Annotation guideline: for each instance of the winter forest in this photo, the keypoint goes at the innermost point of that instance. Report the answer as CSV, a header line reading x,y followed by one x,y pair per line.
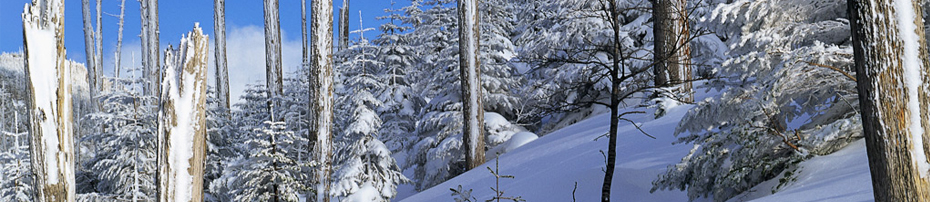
x,y
471,100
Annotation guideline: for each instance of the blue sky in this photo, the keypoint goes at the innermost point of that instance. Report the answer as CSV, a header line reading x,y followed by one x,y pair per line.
x,y
244,21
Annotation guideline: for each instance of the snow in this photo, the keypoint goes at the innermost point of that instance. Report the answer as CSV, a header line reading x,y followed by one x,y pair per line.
x,y
547,169
912,78
365,194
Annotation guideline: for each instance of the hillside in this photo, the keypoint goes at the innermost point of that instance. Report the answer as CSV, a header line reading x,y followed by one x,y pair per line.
x,y
547,169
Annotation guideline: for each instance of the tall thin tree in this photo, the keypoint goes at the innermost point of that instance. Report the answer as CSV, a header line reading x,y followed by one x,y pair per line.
x,y
119,40
48,75
273,72
893,75
322,86
150,57
222,73
89,50
471,83
98,53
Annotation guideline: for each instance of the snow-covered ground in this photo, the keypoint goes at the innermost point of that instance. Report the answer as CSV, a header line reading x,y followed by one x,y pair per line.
x,y
548,168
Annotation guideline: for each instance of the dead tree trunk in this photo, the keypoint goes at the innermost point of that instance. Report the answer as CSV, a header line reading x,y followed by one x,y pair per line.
x,y
48,77
98,37
182,122
222,73
119,40
89,52
893,75
344,25
322,87
151,71
273,74
672,50
471,83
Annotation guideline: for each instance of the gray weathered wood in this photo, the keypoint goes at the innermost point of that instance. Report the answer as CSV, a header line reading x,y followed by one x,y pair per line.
x,y
322,88
473,110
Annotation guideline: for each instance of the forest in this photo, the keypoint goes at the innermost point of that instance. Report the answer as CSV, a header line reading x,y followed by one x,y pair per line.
x,y
475,100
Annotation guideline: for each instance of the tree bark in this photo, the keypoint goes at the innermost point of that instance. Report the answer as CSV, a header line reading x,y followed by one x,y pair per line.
x,y
50,104
119,40
89,52
151,71
222,72
322,105
182,121
98,68
890,52
672,49
471,83
344,25
273,72
614,103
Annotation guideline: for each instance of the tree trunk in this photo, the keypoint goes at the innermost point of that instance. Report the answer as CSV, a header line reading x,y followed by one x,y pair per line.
x,y
893,75
89,52
222,73
48,77
322,105
151,71
119,40
273,72
672,49
614,105
98,68
344,25
182,121
471,83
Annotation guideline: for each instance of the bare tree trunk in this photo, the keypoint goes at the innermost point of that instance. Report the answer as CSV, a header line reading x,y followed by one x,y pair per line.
x,y
119,40
322,87
893,74
89,48
222,73
151,70
344,25
471,83
672,49
48,77
98,68
615,82
182,121
273,74
305,60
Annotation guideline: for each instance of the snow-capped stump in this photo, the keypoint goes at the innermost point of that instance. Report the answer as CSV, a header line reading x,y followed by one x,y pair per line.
x,y
50,102
504,136
182,129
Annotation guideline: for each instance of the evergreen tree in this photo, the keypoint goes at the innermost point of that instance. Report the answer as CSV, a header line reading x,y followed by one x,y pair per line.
x,y
270,175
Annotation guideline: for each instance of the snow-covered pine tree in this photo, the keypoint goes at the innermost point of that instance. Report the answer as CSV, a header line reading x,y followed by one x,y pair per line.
x,y
362,159
250,116
437,154
499,78
124,160
399,102
787,92
221,143
16,181
267,175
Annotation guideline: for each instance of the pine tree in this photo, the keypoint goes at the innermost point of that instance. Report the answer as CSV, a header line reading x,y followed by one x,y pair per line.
x,y
362,159
399,101
124,163
266,174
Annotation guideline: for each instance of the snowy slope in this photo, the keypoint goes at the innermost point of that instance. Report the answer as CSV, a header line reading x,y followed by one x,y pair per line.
x,y
547,168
